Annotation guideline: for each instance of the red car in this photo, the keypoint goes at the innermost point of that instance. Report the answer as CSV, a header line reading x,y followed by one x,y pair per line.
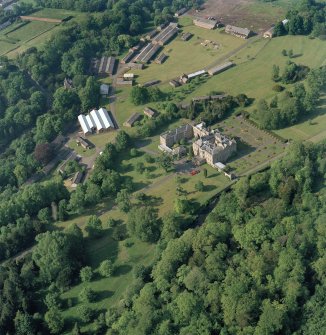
x,y
194,172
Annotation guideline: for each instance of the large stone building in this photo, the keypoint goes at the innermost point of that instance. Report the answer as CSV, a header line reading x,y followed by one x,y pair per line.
x,y
213,146
171,137
209,145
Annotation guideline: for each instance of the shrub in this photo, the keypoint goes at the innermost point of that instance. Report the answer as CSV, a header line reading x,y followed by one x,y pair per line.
x,y
106,268
278,88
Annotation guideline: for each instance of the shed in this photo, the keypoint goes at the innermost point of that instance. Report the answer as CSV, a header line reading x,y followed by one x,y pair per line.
x,y
77,179
269,33
186,36
151,83
161,58
174,83
82,141
150,112
104,89
132,119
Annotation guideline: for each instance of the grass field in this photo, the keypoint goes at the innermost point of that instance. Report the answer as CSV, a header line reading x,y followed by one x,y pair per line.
x,y
32,34
189,56
252,74
52,13
30,30
313,129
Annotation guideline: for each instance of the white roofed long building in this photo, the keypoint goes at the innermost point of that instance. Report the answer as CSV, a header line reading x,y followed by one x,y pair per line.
x,y
98,120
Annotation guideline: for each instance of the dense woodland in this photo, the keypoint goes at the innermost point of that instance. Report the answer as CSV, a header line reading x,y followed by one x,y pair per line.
x,y
256,266
307,17
289,107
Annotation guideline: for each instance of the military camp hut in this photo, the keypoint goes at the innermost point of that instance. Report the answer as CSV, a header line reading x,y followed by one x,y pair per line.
x,y
131,121
220,68
149,112
180,12
106,65
166,34
237,31
161,58
205,23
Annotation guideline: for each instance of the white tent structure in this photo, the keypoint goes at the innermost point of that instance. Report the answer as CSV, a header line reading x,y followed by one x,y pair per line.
x,y
84,124
96,119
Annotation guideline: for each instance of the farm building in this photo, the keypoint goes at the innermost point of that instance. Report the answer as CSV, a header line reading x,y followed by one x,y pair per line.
x,y
122,82
186,36
166,34
237,31
131,121
98,120
174,83
180,12
128,57
149,112
220,68
104,89
205,23
151,83
269,33
161,58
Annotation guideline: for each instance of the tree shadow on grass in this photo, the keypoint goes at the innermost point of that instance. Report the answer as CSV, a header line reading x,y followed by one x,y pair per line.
x,y
208,188
122,270
101,249
101,295
142,143
140,185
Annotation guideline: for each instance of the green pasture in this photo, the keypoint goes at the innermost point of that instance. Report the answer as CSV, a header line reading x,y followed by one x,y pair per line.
x,y
53,13
252,73
31,30
312,129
